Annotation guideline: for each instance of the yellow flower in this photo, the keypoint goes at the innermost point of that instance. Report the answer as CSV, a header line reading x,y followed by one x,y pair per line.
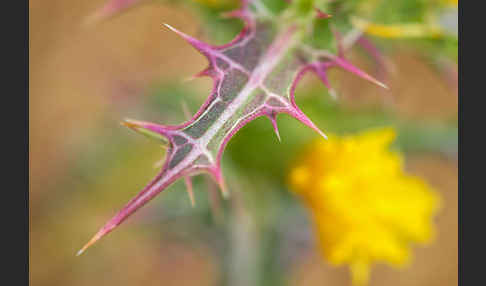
x,y
407,30
429,28
365,207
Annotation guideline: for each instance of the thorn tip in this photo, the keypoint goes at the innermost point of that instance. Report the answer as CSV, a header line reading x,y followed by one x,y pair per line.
x,y
190,191
169,26
90,242
273,120
224,190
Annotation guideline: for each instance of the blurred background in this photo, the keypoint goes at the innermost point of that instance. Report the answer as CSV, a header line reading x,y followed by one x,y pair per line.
x,y
84,166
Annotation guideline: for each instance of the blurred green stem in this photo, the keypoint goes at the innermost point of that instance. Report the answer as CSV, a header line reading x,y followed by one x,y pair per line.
x,y
245,246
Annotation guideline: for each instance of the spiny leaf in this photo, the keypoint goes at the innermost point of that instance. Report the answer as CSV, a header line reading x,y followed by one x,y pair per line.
x,y
254,75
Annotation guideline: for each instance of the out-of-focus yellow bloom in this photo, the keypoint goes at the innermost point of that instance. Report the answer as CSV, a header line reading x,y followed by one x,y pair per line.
x,y
409,30
401,30
365,207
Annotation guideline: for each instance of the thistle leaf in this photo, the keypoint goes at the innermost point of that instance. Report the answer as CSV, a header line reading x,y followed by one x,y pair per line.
x,y
254,75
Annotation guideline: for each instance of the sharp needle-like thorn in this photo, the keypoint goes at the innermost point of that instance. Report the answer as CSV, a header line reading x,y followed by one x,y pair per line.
x,y
299,115
321,133
145,129
171,28
275,127
190,192
183,35
91,242
224,190
351,68
278,135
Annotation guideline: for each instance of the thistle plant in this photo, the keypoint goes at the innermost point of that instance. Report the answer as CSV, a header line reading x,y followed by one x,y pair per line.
x,y
254,75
